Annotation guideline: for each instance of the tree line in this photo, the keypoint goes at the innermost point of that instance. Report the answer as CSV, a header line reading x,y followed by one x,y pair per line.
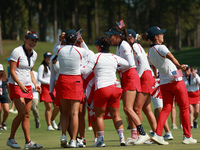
x,y
48,17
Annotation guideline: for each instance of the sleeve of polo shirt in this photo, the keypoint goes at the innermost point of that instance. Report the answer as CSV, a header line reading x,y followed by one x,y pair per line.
x,y
137,50
53,77
40,75
56,47
163,50
89,66
122,62
127,51
83,44
197,79
15,55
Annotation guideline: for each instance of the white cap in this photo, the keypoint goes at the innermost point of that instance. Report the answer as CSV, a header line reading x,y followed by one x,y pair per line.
x,y
1,67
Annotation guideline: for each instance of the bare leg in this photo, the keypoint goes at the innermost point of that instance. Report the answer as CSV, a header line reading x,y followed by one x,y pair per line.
x,y
54,112
48,112
74,119
82,120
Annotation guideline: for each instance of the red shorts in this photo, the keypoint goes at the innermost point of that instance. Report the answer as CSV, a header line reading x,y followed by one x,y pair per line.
x,y
70,87
147,82
131,80
194,97
15,92
107,96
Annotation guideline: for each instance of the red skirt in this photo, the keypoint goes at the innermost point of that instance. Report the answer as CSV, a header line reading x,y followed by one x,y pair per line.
x,y
44,95
194,97
15,92
147,82
70,87
131,80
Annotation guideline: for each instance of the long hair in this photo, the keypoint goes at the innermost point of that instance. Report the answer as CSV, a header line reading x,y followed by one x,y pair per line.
x,y
3,75
45,66
105,43
124,33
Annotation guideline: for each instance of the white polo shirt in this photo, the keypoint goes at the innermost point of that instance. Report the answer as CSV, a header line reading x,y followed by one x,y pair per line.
x,y
105,68
44,77
54,73
125,51
142,62
194,83
23,65
157,56
70,59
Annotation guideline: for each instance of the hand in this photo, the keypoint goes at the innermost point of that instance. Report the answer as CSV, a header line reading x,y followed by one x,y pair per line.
x,y
52,96
23,89
62,36
183,67
80,39
38,88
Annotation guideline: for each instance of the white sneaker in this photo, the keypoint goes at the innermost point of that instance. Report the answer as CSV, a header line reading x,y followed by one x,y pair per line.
x,y
174,127
12,144
99,143
11,110
54,125
122,141
189,140
50,128
90,128
32,145
159,139
142,139
63,141
130,141
168,136
73,144
80,142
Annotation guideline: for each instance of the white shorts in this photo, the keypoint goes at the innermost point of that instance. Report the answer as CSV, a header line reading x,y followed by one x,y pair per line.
x,y
157,102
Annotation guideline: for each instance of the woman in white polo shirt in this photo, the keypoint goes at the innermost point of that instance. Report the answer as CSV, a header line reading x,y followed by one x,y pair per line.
x,y
44,78
130,80
107,93
171,84
22,60
192,82
70,84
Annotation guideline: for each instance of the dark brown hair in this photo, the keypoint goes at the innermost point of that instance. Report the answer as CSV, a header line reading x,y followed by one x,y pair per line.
x,y
105,41
3,75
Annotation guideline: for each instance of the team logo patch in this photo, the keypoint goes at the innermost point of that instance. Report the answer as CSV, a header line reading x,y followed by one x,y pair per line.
x,y
158,28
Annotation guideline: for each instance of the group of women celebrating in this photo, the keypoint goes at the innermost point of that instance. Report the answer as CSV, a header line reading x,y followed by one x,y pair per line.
x,y
73,59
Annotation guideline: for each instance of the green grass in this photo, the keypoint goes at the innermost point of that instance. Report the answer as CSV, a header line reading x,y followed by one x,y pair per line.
x,y
51,139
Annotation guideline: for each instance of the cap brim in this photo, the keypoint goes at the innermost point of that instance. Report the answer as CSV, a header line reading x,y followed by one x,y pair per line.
x,y
162,31
95,42
109,33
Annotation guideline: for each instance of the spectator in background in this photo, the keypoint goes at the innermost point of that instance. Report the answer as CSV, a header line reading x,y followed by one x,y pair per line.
x,y
3,98
44,78
34,107
192,82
